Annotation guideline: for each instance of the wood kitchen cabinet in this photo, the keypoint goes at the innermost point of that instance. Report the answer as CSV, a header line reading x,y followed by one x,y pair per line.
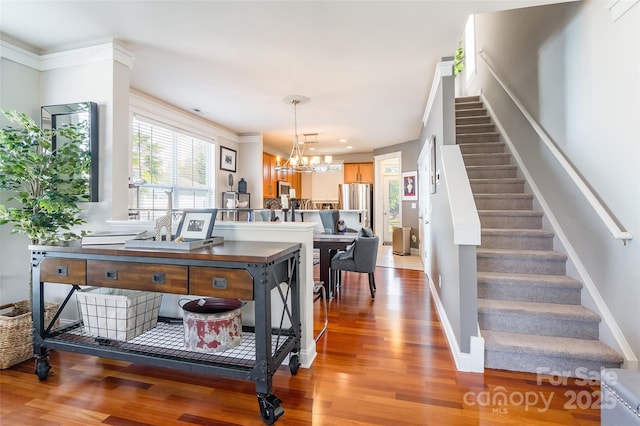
x,y
269,178
358,172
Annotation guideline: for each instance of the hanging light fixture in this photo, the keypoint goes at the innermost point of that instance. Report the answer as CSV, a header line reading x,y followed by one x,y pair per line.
x,y
297,161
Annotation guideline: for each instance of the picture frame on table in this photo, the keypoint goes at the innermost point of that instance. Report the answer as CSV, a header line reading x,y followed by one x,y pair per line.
x,y
228,158
197,224
410,186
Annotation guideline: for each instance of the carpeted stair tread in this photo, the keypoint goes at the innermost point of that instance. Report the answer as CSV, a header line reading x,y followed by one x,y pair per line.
x,y
546,310
465,99
463,129
478,134
529,279
473,119
470,111
497,180
518,232
468,105
531,213
564,347
513,196
527,254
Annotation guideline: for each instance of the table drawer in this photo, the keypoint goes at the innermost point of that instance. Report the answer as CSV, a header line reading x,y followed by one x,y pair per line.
x,y
138,276
65,271
221,282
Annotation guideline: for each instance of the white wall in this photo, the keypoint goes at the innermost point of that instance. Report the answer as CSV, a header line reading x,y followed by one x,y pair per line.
x,y
19,90
576,70
250,168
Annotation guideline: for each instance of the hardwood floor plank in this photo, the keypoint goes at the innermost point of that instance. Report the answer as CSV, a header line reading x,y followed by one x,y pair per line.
x,y
382,362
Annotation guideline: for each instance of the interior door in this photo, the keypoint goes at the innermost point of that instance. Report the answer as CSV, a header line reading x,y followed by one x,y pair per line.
x,y
390,198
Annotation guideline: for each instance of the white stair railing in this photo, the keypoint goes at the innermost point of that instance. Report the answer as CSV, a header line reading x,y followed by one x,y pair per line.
x,y
591,198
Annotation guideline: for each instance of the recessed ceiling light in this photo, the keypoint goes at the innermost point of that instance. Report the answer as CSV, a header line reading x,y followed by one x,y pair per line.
x,y
312,149
349,147
342,140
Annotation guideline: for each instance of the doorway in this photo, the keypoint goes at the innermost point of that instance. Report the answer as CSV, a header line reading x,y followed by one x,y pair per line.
x,y
388,196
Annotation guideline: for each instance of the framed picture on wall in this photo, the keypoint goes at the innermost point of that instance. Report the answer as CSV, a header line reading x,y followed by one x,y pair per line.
x,y
409,186
228,159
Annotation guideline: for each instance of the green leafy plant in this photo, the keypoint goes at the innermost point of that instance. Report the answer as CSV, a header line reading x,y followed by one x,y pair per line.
x,y
46,184
458,60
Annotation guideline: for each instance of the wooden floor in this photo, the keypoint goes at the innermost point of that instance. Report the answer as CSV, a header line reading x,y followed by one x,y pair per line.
x,y
382,362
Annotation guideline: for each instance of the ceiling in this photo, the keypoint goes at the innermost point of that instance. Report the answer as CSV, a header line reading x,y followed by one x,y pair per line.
x,y
366,66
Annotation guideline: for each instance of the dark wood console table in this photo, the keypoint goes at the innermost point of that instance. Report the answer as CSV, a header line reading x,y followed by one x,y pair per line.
x,y
235,269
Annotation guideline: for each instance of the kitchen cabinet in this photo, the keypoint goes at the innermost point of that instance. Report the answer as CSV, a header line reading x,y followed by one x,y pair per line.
x,y
358,172
269,177
321,186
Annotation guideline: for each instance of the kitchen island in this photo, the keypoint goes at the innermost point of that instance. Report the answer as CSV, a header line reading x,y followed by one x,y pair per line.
x,y
354,219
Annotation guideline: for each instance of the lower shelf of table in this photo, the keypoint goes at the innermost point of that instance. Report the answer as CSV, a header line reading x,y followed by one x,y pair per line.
x,y
166,341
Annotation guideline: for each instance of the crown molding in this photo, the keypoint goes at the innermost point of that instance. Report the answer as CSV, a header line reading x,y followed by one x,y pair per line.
x,y
110,51
19,55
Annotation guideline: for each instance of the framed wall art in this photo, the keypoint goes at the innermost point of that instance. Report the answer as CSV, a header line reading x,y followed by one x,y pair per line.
x,y
197,224
228,159
409,186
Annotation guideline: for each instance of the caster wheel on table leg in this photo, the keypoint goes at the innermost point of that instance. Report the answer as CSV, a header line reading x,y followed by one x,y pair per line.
x,y
42,368
270,408
294,364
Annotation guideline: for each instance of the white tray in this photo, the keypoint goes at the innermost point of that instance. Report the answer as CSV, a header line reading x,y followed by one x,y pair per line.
x,y
173,245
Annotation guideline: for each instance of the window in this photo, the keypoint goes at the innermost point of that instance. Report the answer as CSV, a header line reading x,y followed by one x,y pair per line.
x,y
470,47
165,159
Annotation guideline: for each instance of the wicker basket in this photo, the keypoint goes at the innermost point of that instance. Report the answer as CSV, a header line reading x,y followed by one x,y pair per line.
x,y
16,332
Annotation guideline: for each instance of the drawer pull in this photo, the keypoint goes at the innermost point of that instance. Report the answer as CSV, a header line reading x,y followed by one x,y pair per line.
x,y
111,274
158,278
220,283
62,271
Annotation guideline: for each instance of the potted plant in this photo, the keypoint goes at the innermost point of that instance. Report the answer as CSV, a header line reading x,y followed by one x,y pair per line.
x,y
45,186
458,60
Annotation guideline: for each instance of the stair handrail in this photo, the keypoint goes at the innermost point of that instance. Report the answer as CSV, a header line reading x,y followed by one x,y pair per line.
x,y
602,212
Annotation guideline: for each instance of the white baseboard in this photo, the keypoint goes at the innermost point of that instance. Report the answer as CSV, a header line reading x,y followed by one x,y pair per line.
x,y
473,361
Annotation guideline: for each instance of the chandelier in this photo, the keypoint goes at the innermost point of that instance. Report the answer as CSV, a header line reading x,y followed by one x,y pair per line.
x,y
297,161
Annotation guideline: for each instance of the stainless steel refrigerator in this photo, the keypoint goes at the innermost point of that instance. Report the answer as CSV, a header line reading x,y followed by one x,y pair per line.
x,y
357,196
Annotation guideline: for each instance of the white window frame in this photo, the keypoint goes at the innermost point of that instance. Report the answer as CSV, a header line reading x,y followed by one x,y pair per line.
x,y
155,112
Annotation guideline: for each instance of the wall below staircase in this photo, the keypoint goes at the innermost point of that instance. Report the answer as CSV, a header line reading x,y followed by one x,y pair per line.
x,y
559,60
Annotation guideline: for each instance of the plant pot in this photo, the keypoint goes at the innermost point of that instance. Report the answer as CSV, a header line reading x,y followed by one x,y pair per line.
x,y
16,331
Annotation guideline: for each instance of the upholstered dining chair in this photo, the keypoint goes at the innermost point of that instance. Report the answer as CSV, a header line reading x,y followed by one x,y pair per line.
x,y
360,257
329,220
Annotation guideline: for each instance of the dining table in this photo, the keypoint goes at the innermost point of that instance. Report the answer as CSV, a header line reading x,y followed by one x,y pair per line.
x,y
328,244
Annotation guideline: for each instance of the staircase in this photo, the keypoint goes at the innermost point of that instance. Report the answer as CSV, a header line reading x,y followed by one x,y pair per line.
x,y
529,310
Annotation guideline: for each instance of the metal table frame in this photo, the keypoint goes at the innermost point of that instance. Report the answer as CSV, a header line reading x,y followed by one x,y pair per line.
x,y
278,263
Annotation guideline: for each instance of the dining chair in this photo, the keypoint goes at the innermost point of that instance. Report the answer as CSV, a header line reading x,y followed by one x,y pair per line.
x,y
360,257
319,293
329,220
